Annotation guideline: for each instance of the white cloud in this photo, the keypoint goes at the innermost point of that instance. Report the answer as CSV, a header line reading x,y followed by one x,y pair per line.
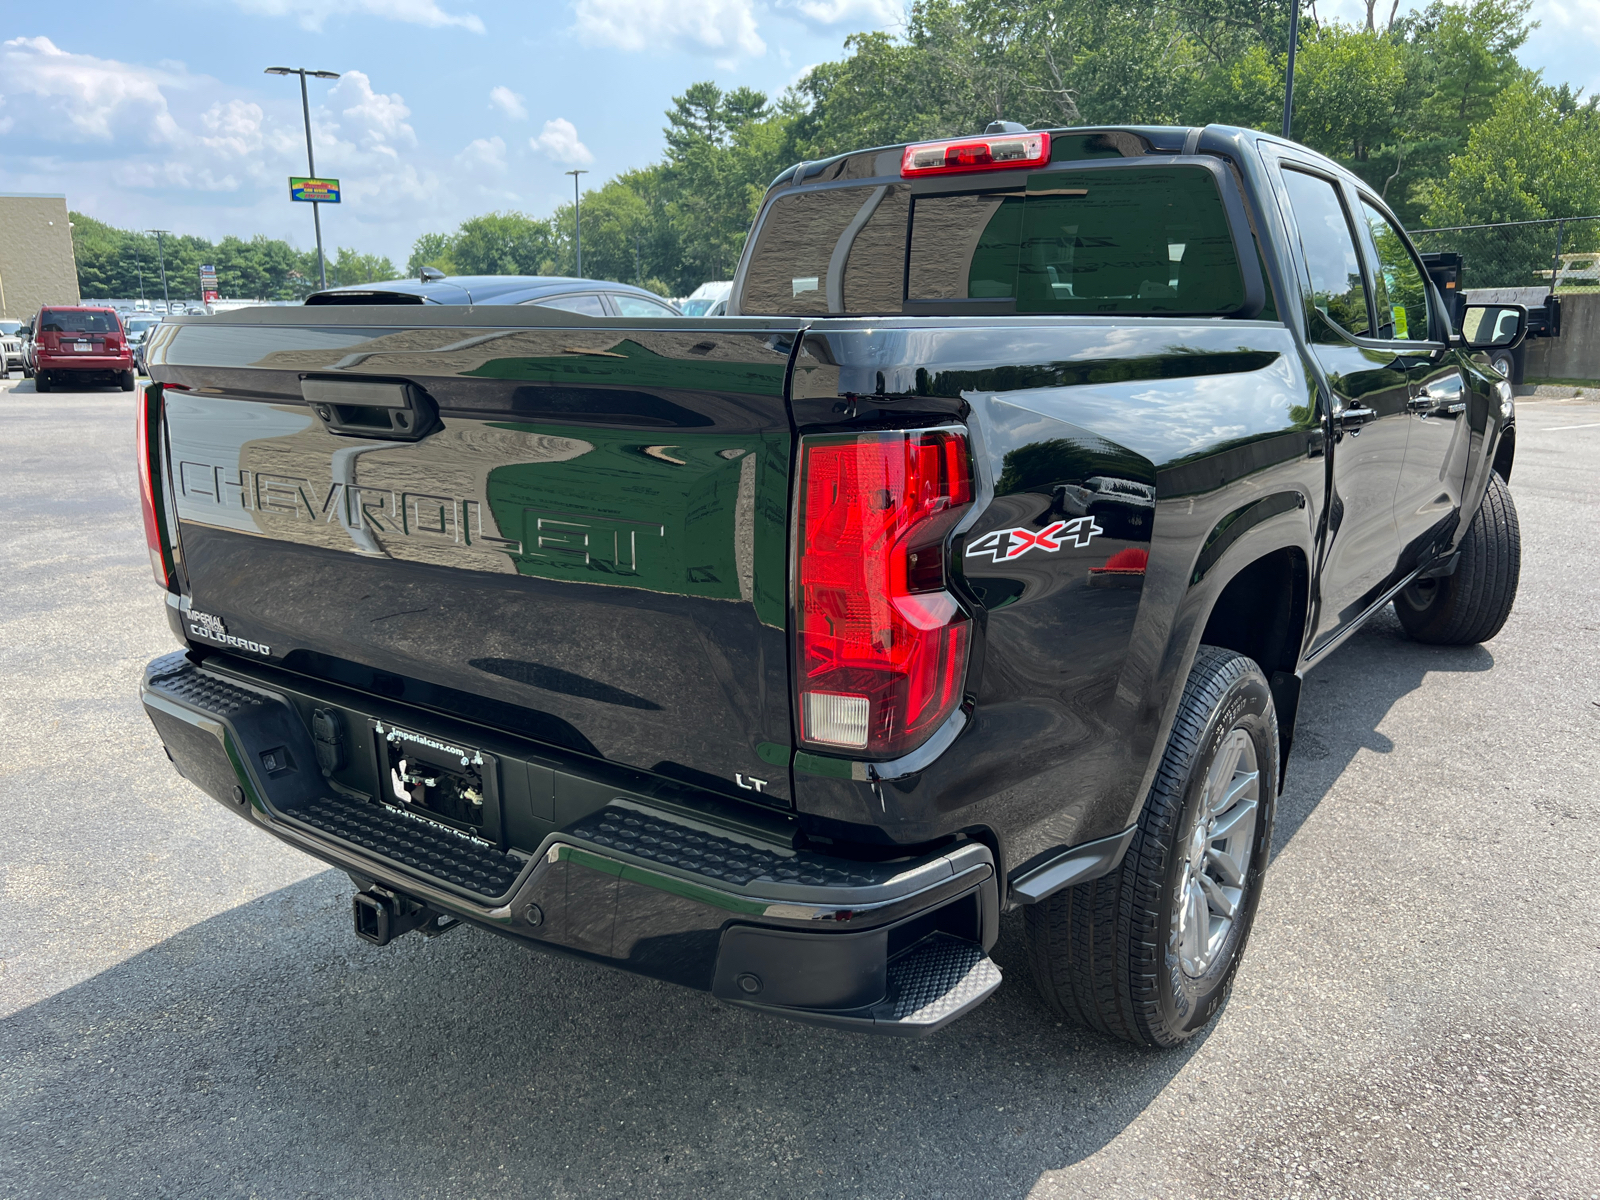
x,y
233,128
877,14
508,102
371,120
98,99
483,154
706,26
559,140
311,14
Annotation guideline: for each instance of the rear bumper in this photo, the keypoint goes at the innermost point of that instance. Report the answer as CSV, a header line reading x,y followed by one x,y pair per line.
x,y
655,888
85,362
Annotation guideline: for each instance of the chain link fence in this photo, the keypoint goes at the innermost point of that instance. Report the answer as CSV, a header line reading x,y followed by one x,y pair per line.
x,y
1522,253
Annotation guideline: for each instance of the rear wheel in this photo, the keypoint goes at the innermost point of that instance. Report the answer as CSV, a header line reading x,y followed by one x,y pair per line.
x,y
1471,604
126,380
1148,952
42,383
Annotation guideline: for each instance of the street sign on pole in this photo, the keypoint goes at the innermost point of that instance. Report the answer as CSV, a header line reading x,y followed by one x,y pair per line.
x,y
313,191
311,162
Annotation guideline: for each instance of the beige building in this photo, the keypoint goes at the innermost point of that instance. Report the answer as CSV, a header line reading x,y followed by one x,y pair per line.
x,y
37,266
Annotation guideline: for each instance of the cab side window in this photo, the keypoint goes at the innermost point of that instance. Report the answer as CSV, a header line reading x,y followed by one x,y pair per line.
x,y
1337,290
1399,293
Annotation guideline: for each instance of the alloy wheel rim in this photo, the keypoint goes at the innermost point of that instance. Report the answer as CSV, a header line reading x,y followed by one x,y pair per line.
x,y
1217,855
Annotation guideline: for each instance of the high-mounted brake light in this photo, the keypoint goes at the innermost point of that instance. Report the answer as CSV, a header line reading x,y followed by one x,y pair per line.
x,y
149,456
1001,152
881,645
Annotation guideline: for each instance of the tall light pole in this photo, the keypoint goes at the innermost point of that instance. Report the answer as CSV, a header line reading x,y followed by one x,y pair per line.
x,y
165,299
577,220
311,155
1288,79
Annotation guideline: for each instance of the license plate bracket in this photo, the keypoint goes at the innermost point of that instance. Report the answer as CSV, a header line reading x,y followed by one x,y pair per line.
x,y
450,784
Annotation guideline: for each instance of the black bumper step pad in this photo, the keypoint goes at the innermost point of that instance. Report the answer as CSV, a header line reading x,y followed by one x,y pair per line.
x,y
184,682
939,979
688,849
482,871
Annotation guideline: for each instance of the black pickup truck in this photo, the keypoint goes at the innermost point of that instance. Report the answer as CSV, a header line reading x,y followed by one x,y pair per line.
x,y
972,563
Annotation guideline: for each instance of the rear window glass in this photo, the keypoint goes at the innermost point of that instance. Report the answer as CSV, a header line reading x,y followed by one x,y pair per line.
x,y
1145,240
57,321
1148,241
788,270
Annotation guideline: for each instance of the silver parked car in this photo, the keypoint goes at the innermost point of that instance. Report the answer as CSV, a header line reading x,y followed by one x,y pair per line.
x,y
10,347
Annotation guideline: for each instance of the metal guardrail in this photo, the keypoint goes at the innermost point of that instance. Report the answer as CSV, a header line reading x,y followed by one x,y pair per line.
x,y
1563,252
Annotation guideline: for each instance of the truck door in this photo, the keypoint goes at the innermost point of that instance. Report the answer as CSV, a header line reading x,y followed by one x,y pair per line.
x,y
1369,381
1427,501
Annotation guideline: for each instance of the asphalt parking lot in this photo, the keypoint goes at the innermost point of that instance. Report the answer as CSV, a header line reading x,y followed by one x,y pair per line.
x,y
184,1011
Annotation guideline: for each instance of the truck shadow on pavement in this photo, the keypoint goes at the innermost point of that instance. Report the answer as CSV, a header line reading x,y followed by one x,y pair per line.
x,y
1343,702
267,1052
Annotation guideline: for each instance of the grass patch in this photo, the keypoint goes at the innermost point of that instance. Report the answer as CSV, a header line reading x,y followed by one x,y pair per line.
x,y
1582,383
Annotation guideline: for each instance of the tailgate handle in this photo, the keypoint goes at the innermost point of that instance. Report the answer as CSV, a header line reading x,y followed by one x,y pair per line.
x,y
372,408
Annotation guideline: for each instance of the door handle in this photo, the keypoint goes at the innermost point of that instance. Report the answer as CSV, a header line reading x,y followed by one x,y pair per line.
x,y
371,408
1354,418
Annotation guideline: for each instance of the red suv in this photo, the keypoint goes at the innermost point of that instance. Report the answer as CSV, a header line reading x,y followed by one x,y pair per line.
x,y
80,345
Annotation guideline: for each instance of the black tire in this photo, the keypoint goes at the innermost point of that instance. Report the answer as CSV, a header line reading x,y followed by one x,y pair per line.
x,y
1105,954
1504,362
1471,605
125,379
41,383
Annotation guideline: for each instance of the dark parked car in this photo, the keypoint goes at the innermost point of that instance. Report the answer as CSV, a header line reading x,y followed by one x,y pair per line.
x,y
79,345
973,563
138,327
589,297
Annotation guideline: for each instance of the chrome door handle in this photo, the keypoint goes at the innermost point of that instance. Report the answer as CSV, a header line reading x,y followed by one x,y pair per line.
x,y
1354,418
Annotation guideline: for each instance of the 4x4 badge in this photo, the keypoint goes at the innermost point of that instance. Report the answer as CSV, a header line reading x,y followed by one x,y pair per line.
x,y
1005,544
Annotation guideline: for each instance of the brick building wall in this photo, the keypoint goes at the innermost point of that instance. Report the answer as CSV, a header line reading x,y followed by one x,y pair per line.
x,y
37,266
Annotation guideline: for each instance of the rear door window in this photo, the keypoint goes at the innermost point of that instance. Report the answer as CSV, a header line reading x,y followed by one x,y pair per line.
x,y
584,303
1329,250
629,305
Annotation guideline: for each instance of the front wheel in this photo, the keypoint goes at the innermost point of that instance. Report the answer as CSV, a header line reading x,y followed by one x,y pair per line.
x,y
1471,604
1148,952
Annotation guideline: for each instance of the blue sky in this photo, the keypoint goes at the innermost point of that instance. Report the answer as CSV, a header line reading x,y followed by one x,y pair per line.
x,y
158,114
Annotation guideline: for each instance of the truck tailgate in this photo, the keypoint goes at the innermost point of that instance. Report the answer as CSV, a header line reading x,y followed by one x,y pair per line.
x,y
589,548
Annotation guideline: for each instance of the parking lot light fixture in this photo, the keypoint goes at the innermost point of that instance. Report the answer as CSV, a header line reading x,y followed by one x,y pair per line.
x,y
165,299
311,156
577,221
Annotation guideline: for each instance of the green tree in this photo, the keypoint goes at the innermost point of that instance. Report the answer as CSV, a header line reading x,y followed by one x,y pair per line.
x,y
431,250
1537,154
503,243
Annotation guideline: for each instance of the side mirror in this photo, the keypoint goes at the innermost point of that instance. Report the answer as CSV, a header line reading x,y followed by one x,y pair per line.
x,y
1493,326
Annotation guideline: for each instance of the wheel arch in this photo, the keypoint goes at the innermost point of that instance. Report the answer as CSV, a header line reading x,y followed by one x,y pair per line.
x,y
1505,452
1261,613
1266,565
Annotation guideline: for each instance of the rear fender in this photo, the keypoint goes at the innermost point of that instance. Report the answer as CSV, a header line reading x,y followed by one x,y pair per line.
x,y
1233,541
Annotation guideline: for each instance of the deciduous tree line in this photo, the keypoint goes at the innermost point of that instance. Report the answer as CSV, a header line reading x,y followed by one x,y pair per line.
x,y
117,264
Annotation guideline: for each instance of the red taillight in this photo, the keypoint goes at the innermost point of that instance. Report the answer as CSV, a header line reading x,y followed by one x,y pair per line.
x,y
149,455
1003,152
881,644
